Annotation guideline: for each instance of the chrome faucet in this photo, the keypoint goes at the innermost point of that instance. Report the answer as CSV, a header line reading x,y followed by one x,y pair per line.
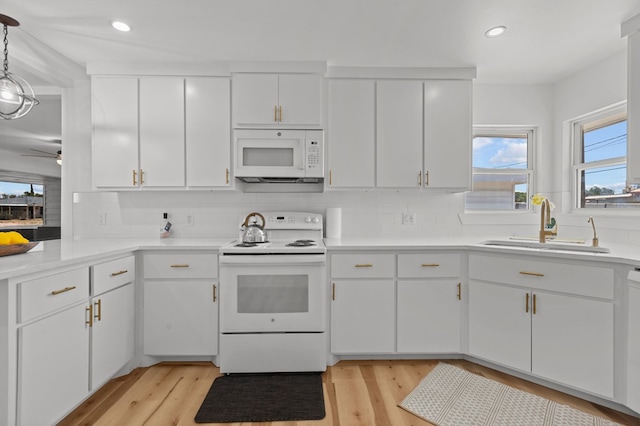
x,y
545,219
594,241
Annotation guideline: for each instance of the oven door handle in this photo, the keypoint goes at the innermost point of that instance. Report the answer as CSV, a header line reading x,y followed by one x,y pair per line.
x,y
271,259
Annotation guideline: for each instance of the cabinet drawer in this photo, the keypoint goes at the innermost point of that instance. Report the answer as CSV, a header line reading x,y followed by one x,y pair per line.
x,y
109,275
365,265
425,265
584,280
181,265
42,295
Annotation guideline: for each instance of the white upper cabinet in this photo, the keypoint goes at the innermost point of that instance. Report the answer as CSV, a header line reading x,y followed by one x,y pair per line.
x,y
399,133
162,132
277,100
351,133
447,134
633,108
114,102
208,131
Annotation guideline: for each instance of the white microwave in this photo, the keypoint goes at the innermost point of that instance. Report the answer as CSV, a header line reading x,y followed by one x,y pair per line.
x,y
279,156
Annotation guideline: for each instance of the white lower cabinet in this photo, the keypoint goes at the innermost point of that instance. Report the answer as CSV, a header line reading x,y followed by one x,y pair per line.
x,y
112,334
428,316
180,304
633,352
564,335
53,366
362,316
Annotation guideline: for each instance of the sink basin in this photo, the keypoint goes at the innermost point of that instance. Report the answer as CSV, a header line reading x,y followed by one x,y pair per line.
x,y
549,245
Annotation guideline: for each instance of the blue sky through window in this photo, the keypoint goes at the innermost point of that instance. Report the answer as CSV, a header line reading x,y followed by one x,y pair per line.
x,y
13,188
493,152
602,144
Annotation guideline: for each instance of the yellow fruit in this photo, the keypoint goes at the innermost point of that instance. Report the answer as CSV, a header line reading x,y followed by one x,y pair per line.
x,y
16,238
5,239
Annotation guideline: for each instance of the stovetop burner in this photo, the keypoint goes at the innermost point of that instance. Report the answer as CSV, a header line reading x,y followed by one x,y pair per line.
x,y
302,243
250,244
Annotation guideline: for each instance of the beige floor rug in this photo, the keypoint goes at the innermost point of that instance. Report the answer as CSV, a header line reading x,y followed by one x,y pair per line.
x,y
451,396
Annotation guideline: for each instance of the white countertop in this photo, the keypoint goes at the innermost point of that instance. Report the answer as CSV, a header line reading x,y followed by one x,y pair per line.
x,y
628,254
59,253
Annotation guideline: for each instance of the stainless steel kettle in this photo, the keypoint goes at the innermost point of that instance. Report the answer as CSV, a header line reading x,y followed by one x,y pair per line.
x,y
252,232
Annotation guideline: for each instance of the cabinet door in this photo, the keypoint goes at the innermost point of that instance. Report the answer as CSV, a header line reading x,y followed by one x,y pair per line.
x,y
112,334
180,318
255,99
162,132
399,134
351,135
633,359
633,108
114,111
447,134
53,366
208,131
428,316
300,97
500,324
572,342
363,316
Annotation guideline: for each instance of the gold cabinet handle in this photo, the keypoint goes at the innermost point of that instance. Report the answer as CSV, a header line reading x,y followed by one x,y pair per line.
x,y
141,177
419,178
180,265
534,304
333,291
98,305
526,304
64,290
115,274
430,265
215,297
533,274
459,291
135,175
426,178
90,310
364,265
280,113
330,177
227,176
275,113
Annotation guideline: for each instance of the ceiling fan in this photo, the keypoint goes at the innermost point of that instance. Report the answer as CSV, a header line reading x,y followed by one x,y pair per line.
x,y
44,154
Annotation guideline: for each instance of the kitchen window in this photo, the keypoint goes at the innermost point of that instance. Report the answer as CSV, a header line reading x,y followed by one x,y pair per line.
x,y
600,162
502,169
21,204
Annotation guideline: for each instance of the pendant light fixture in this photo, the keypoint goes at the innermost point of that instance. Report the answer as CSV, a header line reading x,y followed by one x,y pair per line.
x,y
16,96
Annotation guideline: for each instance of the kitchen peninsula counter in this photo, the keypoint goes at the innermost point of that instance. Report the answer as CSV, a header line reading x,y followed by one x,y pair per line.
x,y
61,253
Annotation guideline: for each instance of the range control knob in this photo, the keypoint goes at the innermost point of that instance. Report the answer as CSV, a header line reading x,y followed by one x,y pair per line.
x,y
316,219
307,219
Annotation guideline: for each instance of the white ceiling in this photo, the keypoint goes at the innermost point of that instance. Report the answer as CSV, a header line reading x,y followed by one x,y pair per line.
x,y
546,40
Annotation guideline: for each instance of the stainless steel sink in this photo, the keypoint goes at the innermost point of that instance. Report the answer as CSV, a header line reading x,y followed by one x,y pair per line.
x,y
549,245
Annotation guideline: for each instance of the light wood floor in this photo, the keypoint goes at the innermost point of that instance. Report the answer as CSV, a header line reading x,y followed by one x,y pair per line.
x,y
356,393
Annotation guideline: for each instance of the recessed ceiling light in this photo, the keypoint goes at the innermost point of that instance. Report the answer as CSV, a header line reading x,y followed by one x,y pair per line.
x,y
495,31
120,26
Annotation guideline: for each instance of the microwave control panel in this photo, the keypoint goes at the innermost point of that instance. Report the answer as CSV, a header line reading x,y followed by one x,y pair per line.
x,y
314,153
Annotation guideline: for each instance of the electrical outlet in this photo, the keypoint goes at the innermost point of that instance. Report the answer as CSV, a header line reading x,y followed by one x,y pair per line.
x,y
190,219
102,219
408,218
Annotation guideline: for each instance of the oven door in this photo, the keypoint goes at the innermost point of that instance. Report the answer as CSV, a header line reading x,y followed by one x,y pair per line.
x,y
272,293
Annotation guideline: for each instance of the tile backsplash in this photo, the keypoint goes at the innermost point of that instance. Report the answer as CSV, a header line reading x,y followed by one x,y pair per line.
x,y
217,214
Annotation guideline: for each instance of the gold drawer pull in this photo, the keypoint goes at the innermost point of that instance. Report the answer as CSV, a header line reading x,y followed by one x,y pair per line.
x,y
429,265
180,265
64,290
459,291
90,310
364,265
535,274
115,274
526,303
98,312
534,304
215,296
